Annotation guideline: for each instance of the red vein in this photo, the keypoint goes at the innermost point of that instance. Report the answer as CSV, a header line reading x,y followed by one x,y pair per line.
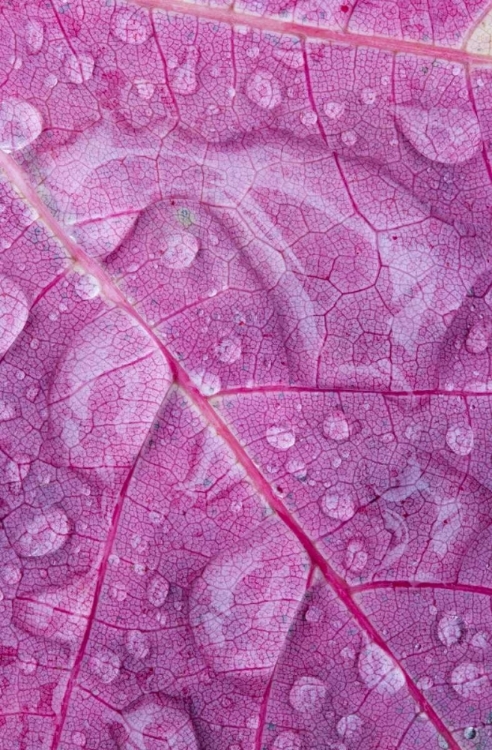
x,y
109,290
306,31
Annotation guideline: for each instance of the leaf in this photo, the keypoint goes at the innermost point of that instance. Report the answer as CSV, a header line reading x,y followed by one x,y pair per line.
x,y
245,375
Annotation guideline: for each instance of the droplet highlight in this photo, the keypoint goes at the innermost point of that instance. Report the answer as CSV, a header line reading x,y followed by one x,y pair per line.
x,y
335,427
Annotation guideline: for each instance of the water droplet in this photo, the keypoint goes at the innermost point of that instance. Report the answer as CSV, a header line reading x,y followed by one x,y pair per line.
x,y
20,124
313,614
44,534
145,89
309,118
7,411
290,56
184,79
460,439
287,741
480,640
28,665
469,733
378,671
297,467
157,590
349,138
334,110
425,683
34,36
228,350
280,437
118,592
79,739
307,695
87,286
450,629
131,25
368,96
478,338
338,506
468,680
335,426
105,665
356,556
253,52
444,134
137,644
263,89
348,726
11,574
79,69
181,250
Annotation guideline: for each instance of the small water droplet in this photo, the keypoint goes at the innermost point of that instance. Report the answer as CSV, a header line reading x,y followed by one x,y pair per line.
x,y
378,671
118,592
349,138
105,665
28,665
313,614
347,653
348,726
184,79
334,110
335,426
228,350
137,644
13,313
20,124
157,590
131,25
11,574
469,733
338,506
307,695
356,556
450,629
181,250
460,439
87,286
425,683
287,741
297,467
309,118
79,739
480,640
145,89
34,36
291,56
469,680
253,52
79,69
368,96
280,437
263,89
478,338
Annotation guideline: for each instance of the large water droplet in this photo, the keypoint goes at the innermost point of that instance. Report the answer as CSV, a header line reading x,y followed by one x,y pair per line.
x,y
348,726
450,629
34,36
307,695
131,25
20,124
280,437
356,556
44,534
378,671
469,733
287,741
339,506
334,110
335,426
478,338
460,439
105,665
309,118
469,680
228,350
137,644
157,590
263,89
13,313
449,135
181,250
